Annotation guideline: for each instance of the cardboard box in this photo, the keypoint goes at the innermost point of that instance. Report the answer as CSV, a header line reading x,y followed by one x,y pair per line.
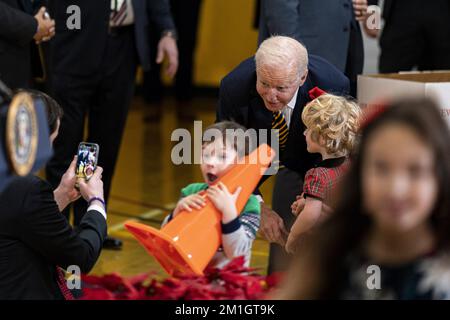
x,y
373,89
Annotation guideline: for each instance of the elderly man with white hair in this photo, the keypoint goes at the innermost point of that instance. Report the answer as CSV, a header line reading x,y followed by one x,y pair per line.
x,y
268,91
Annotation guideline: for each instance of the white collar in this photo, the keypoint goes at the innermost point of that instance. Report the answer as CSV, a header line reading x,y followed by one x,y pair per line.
x,y
291,104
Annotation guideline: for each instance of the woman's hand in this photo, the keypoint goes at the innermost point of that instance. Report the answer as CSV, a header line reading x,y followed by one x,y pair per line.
x,y
66,193
93,187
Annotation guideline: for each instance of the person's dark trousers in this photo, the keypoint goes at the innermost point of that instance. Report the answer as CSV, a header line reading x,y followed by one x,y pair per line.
x,y
152,88
186,17
185,14
288,185
416,34
104,97
355,58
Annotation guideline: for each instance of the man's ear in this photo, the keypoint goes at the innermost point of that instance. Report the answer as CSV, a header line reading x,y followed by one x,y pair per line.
x,y
303,77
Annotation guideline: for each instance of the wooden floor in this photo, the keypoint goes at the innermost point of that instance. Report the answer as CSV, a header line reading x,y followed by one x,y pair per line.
x,y
147,184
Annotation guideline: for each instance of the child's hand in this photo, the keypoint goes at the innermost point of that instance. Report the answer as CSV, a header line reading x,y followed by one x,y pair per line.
x,y
224,201
195,201
298,205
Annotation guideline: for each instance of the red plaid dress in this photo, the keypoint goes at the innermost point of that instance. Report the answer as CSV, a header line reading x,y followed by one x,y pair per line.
x,y
320,181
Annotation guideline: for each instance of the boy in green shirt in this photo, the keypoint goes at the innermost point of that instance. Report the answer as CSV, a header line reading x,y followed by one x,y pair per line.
x,y
238,230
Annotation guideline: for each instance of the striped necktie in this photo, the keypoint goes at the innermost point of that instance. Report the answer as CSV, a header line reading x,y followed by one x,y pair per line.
x,y
119,13
279,123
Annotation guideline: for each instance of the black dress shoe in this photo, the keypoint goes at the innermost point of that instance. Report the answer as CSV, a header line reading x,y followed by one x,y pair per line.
x,y
112,243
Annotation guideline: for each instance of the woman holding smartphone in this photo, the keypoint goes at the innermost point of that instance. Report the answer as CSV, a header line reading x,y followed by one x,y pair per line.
x,y
36,240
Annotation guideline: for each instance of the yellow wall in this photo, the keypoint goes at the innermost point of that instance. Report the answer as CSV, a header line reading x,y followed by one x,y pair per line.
x,y
225,38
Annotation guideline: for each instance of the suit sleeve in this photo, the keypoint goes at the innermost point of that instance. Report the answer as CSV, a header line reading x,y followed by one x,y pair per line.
x,y
16,26
159,13
225,106
281,17
46,230
327,77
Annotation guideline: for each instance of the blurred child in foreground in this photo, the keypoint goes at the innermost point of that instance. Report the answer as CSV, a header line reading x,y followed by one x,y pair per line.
x,y
389,237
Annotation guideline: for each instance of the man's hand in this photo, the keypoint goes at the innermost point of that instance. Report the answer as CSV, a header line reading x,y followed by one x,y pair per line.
x,y
370,32
360,9
46,26
167,46
272,226
361,14
66,192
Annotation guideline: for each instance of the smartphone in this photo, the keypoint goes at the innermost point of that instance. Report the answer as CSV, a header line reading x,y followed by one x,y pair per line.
x,y
87,160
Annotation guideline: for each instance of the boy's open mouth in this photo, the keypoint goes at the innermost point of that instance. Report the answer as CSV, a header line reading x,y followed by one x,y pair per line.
x,y
211,177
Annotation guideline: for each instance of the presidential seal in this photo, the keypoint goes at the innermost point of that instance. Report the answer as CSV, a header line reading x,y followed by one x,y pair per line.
x,y
21,134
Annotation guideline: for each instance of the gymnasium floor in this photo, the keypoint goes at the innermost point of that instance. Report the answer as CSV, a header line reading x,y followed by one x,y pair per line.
x,y
147,184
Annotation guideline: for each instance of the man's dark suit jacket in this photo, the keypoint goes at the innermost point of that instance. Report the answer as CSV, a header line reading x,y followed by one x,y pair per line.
x,y
239,101
17,29
80,52
35,238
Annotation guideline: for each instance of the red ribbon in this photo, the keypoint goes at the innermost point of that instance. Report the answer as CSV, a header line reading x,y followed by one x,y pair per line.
x,y
315,93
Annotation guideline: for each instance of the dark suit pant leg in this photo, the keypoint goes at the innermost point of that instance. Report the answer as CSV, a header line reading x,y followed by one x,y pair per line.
x,y
108,114
288,185
152,88
355,58
437,28
186,17
74,94
402,41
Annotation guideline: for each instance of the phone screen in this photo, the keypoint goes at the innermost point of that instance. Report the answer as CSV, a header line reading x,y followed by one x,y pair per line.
x,y
87,160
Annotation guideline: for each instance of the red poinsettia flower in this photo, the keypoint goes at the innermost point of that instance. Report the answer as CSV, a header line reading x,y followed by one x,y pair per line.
x,y
274,279
234,281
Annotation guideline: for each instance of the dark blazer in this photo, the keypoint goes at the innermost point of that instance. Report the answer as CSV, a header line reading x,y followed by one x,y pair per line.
x,y
80,52
17,29
239,101
35,238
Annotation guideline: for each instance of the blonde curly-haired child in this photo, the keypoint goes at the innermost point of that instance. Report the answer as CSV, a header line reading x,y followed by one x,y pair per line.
x,y
331,129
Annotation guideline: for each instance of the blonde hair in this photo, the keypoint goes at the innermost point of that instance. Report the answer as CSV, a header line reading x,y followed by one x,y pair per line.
x,y
280,51
335,119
